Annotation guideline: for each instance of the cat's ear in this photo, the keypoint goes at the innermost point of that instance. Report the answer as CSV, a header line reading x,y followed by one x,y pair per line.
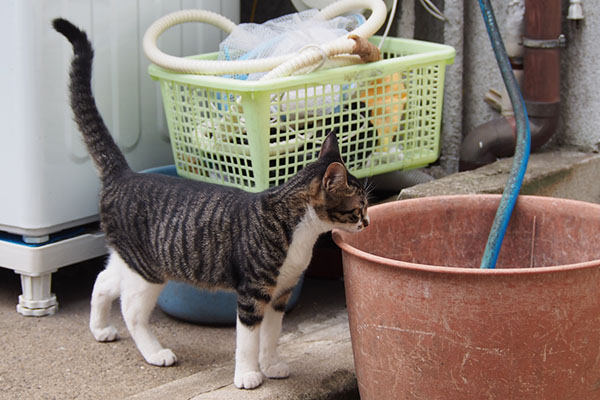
x,y
330,148
335,179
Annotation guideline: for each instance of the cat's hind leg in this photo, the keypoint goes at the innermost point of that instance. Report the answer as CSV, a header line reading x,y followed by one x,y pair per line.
x,y
138,298
106,290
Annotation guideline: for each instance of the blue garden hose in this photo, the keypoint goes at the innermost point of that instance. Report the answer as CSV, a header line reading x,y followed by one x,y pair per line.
x,y
519,166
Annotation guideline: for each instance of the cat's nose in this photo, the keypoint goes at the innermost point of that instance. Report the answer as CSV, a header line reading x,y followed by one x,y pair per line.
x,y
365,221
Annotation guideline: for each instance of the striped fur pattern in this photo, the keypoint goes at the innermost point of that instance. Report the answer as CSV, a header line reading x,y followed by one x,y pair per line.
x,y
161,228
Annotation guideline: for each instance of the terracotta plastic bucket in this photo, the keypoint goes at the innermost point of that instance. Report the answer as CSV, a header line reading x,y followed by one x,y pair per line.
x,y
427,323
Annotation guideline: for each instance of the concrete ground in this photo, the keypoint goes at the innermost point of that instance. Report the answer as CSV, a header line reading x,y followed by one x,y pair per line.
x,y
56,357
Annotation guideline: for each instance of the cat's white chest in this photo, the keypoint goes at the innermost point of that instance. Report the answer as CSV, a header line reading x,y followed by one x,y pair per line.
x,y
300,250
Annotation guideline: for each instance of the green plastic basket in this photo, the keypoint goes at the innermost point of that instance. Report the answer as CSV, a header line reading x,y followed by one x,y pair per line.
x,y
257,134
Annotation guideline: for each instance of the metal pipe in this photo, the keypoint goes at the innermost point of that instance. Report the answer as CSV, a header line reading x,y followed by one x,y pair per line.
x,y
497,138
395,181
488,142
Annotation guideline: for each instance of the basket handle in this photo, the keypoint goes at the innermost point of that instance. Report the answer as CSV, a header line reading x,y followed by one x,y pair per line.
x,y
287,63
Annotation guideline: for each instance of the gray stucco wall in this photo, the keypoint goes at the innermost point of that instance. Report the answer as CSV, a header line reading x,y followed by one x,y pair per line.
x,y
476,72
580,85
480,69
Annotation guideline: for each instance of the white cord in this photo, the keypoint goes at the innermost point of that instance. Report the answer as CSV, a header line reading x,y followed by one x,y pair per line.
x,y
433,10
323,53
389,24
427,4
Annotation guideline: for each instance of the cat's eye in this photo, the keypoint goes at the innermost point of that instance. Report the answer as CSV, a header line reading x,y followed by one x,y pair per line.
x,y
354,215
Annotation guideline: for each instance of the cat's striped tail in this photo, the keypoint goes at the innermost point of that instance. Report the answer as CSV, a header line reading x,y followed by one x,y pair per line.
x,y
107,156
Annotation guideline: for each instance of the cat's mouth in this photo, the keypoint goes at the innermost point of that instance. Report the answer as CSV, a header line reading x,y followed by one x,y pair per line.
x,y
363,224
355,228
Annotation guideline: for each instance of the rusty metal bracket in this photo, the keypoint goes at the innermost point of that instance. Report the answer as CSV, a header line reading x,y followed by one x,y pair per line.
x,y
561,41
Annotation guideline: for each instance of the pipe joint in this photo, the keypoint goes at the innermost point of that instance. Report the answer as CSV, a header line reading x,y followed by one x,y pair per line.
x,y
543,120
542,109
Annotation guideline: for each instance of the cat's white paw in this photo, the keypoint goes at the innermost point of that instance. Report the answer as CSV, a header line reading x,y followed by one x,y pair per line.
x,y
278,370
248,380
163,358
107,334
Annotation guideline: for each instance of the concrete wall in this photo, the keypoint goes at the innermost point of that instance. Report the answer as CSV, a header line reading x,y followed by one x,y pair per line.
x,y
580,85
480,69
475,71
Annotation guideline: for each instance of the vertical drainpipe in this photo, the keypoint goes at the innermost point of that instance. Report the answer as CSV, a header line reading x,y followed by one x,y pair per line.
x,y
541,90
541,82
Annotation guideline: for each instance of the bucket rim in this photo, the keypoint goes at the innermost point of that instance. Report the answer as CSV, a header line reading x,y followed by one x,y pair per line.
x,y
339,238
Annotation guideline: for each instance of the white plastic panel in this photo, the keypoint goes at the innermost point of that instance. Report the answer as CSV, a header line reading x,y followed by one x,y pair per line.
x,y
47,179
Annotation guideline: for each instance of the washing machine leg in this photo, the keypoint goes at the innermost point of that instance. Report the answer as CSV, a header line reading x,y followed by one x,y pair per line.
x,y
37,299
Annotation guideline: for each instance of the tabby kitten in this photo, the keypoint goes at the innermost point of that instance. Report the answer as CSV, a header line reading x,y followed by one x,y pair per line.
x,y
160,228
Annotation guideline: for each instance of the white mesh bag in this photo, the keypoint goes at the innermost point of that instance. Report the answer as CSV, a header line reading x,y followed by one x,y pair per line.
x,y
284,35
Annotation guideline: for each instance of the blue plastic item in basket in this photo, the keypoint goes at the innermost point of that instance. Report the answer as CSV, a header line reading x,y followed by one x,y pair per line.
x,y
202,306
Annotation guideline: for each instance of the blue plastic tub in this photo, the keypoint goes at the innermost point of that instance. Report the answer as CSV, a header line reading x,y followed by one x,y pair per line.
x,y
201,306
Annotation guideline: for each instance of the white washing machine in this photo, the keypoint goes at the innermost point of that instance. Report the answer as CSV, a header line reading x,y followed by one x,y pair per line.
x,y
49,196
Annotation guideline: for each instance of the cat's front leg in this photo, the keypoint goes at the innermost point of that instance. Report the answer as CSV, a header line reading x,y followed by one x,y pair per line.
x,y
270,330
251,309
247,373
